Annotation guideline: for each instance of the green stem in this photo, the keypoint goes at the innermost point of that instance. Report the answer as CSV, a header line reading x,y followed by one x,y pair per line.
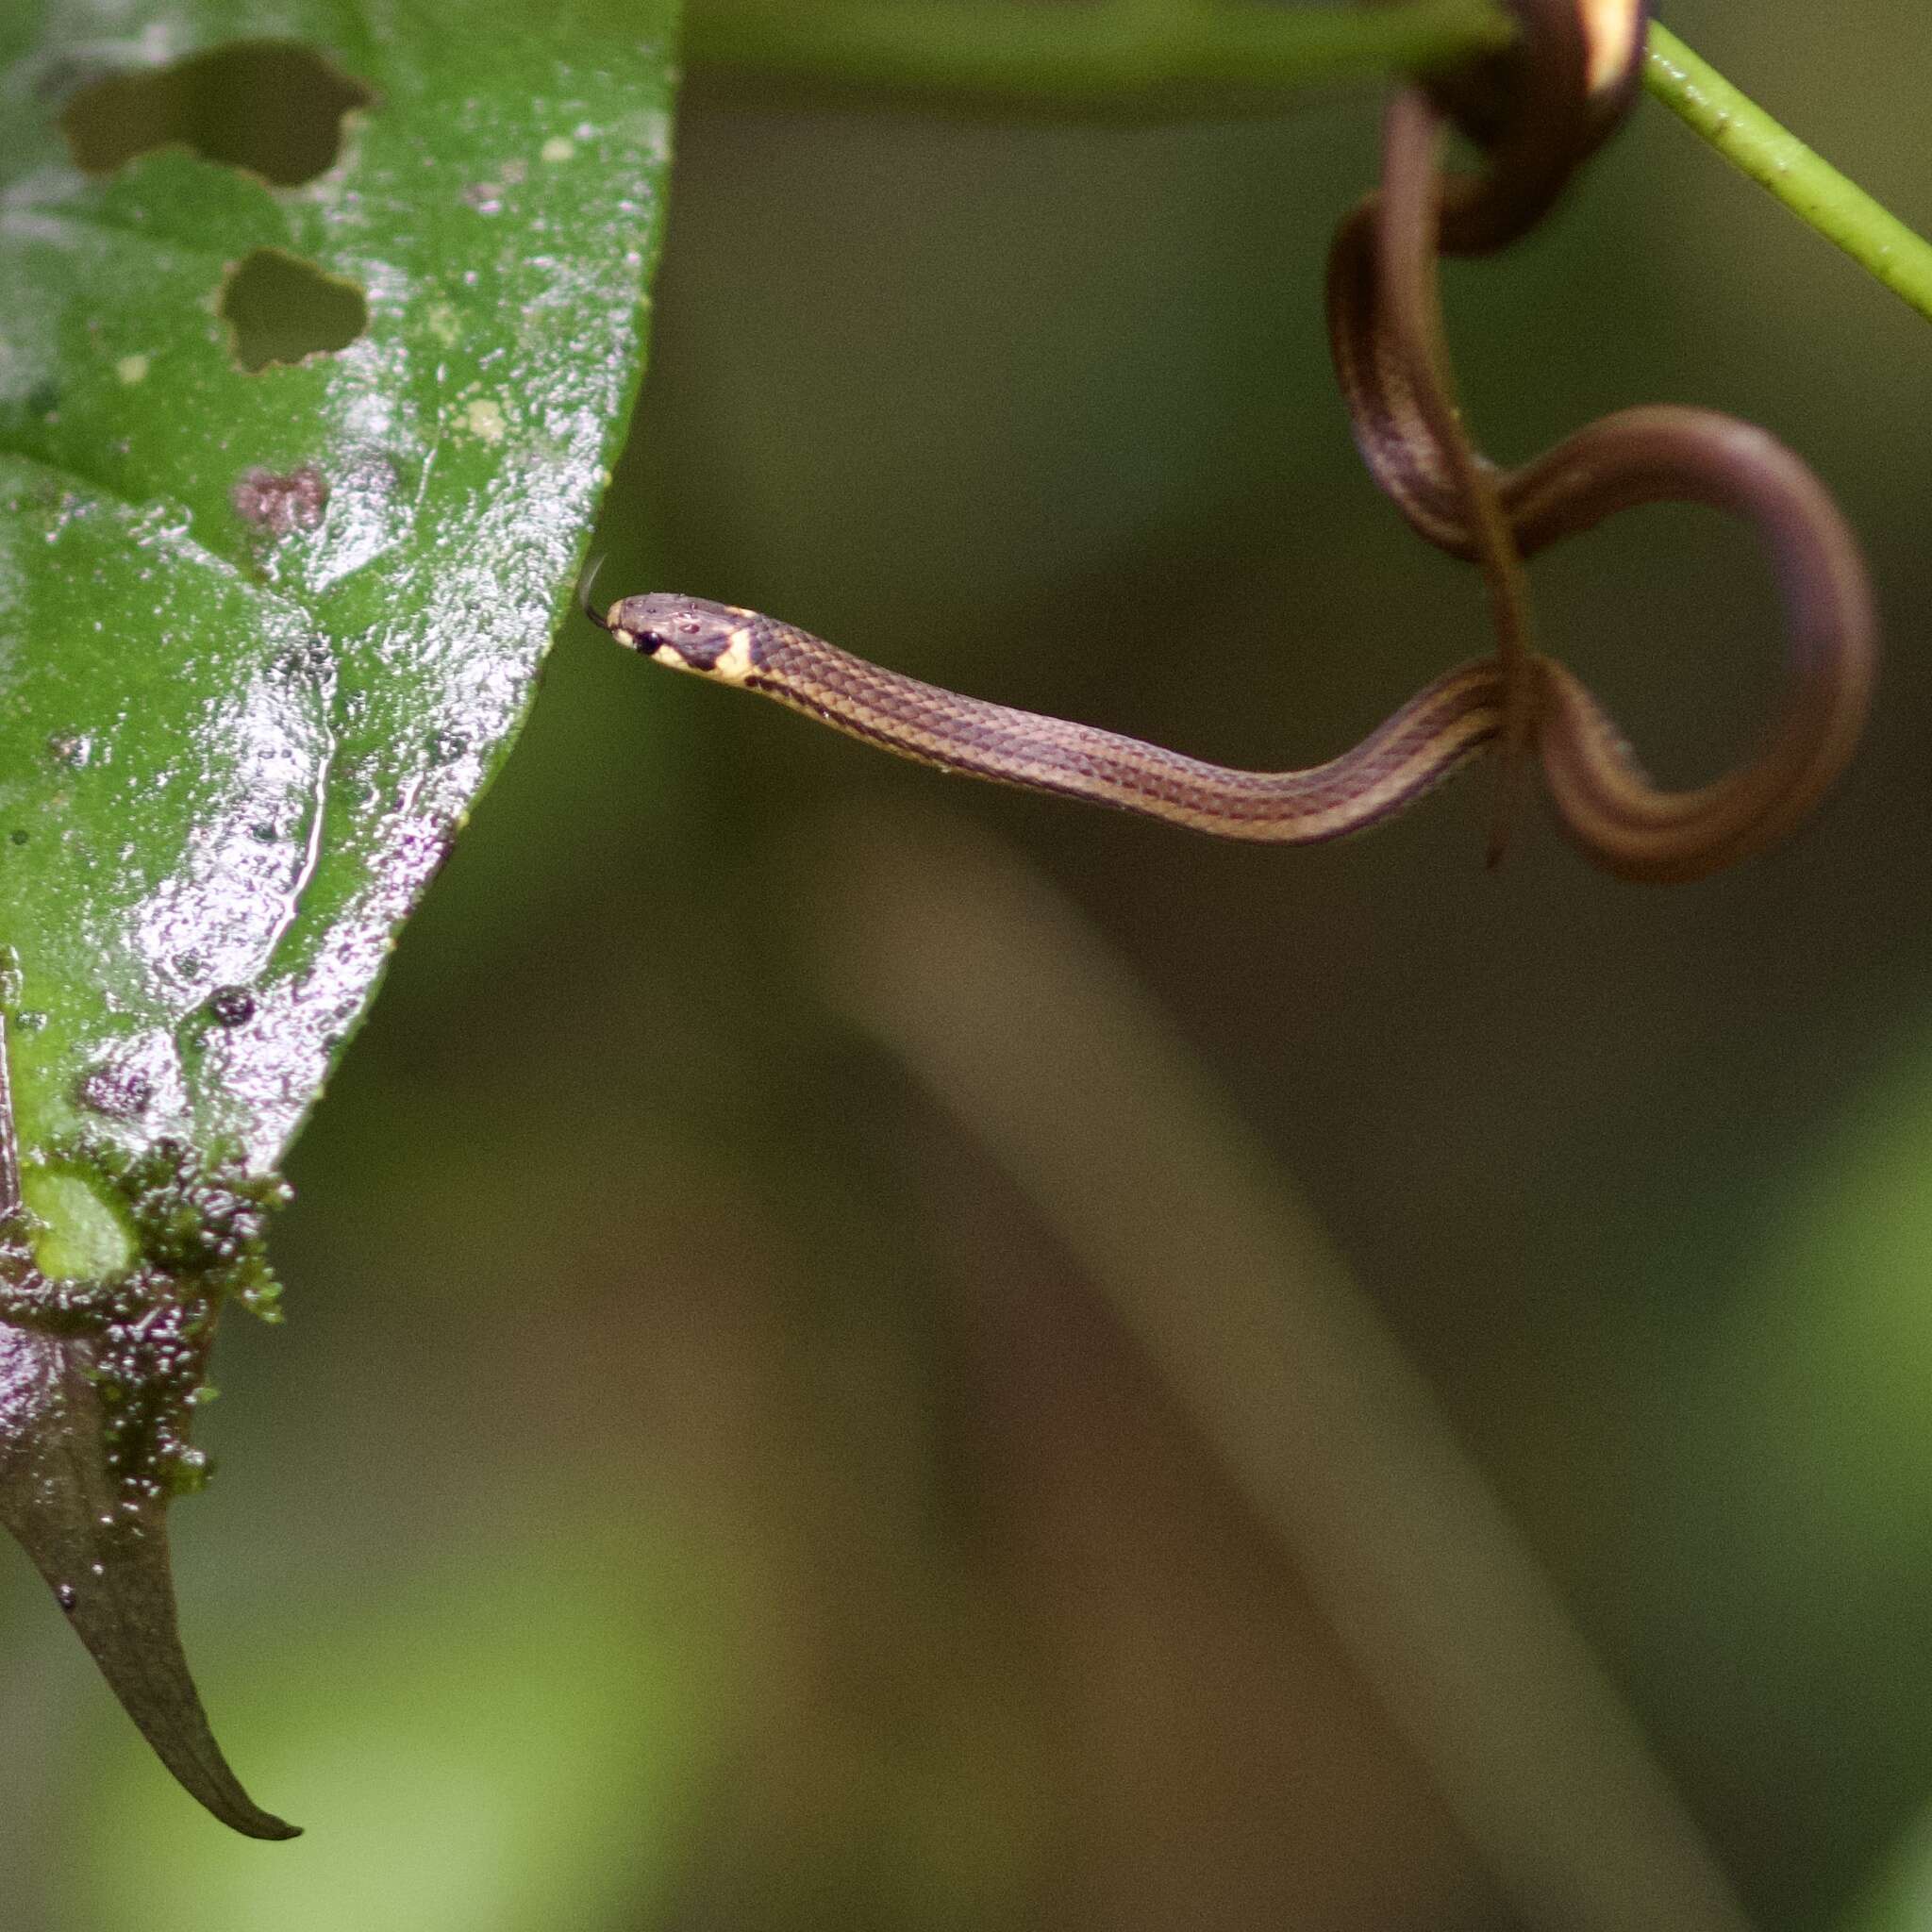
x,y
1810,186
1129,57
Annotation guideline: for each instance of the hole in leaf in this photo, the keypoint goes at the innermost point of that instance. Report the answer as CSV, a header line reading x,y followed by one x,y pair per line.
x,y
274,107
283,308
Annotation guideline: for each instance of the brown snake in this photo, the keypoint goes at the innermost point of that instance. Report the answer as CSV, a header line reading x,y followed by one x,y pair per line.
x,y
1536,111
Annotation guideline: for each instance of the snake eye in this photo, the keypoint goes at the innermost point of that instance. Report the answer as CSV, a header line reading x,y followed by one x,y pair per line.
x,y
642,623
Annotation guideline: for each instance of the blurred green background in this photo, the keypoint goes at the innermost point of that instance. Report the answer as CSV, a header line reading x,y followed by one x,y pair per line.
x,y
694,1487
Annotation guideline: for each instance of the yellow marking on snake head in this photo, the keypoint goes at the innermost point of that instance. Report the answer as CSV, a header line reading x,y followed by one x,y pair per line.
x,y
734,664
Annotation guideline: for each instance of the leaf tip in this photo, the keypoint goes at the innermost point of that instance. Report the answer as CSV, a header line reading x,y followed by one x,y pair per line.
x,y
105,1556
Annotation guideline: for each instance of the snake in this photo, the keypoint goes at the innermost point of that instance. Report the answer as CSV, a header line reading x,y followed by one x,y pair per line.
x,y
1537,113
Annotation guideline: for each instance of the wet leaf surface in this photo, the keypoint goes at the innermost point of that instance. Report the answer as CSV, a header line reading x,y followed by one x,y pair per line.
x,y
294,482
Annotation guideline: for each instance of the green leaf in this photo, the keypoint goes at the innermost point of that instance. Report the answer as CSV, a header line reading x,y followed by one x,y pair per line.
x,y
269,620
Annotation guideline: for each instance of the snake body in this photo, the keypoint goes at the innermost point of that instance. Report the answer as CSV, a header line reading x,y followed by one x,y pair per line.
x,y
1409,753
1539,112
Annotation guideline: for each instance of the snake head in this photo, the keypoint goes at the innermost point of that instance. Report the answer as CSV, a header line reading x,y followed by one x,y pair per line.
x,y
687,633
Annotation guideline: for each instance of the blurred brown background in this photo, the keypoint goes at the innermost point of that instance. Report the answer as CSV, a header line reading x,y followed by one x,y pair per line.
x,y
697,1487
